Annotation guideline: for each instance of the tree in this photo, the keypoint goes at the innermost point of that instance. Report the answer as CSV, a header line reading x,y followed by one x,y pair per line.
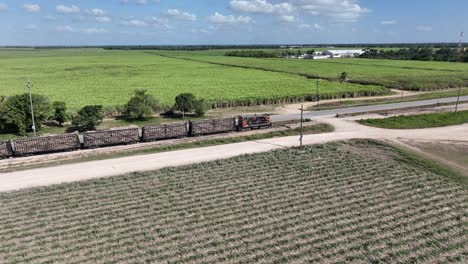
x,y
60,112
343,78
88,118
188,103
142,105
15,112
185,103
200,108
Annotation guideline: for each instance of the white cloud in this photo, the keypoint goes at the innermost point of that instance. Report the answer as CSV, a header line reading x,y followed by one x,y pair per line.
x,y
138,2
64,29
424,28
309,27
73,9
32,8
31,27
95,12
177,14
389,22
218,18
50,18
3,7
260,6
94,31
336,10
103,19
133,22
287,18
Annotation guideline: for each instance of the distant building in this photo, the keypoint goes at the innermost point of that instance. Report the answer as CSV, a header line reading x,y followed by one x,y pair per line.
x,y
316,56
343,53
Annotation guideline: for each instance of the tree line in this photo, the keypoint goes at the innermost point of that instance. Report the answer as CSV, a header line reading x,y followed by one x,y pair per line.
x,y
16,117
419,53
251,53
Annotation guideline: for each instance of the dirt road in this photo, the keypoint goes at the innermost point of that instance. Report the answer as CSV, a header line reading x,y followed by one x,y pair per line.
x,y
345,129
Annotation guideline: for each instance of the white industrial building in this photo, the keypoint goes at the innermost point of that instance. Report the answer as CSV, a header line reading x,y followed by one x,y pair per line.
x,y
316,56
343,53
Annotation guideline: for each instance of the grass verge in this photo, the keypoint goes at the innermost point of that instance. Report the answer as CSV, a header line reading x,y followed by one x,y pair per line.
x,y
419,121
424,96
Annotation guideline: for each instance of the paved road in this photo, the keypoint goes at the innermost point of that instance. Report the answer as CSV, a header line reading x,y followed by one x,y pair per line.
x,y
370,108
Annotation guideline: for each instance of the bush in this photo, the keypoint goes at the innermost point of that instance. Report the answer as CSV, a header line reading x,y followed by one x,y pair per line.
x,y
88,118
200,108
188,103
60,112
15,112
141,106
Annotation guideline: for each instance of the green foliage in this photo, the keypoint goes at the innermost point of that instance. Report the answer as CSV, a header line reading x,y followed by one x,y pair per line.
x,y
251,53
419,53
188,103
82,77
60,112
343,77
200,108
15,112
88,118
407,74
142,105
419,121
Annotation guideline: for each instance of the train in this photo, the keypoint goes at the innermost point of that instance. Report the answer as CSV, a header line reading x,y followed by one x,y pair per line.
x,y
99,139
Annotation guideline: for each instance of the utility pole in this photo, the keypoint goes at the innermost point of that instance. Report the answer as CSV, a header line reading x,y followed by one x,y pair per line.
x,y
460,50
458,98
317,94
29,86
302,120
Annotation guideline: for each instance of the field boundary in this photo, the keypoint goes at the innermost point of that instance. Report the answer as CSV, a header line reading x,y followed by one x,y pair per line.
x,y
286,99
315,76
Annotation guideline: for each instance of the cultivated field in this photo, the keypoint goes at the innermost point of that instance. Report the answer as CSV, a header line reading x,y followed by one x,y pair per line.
x,y
93,76
340,202
413,75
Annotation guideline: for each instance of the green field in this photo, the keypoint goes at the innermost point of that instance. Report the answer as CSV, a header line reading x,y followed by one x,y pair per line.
x,y
412,75
419,121
335,203
94,76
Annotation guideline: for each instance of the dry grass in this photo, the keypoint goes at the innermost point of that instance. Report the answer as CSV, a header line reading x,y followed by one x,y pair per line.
x,y
323,204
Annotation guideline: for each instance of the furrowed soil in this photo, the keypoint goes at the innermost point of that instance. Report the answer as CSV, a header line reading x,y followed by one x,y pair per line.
x,y
340,202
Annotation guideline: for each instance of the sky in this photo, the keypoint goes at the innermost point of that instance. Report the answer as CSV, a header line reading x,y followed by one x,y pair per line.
x,y
216,22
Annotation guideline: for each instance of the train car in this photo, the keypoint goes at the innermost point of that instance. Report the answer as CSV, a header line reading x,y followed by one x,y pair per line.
x,y
5,150
111,138
206,127
165,131
254,121
49,144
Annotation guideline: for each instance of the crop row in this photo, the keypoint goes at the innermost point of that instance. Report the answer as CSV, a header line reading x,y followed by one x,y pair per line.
x,y
412,75
109,78
325,203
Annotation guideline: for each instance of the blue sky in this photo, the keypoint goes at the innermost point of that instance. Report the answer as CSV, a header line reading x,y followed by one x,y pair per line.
x,y
161,22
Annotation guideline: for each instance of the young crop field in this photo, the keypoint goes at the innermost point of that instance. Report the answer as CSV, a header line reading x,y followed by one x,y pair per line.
x,y
342,202
82,77
412,75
